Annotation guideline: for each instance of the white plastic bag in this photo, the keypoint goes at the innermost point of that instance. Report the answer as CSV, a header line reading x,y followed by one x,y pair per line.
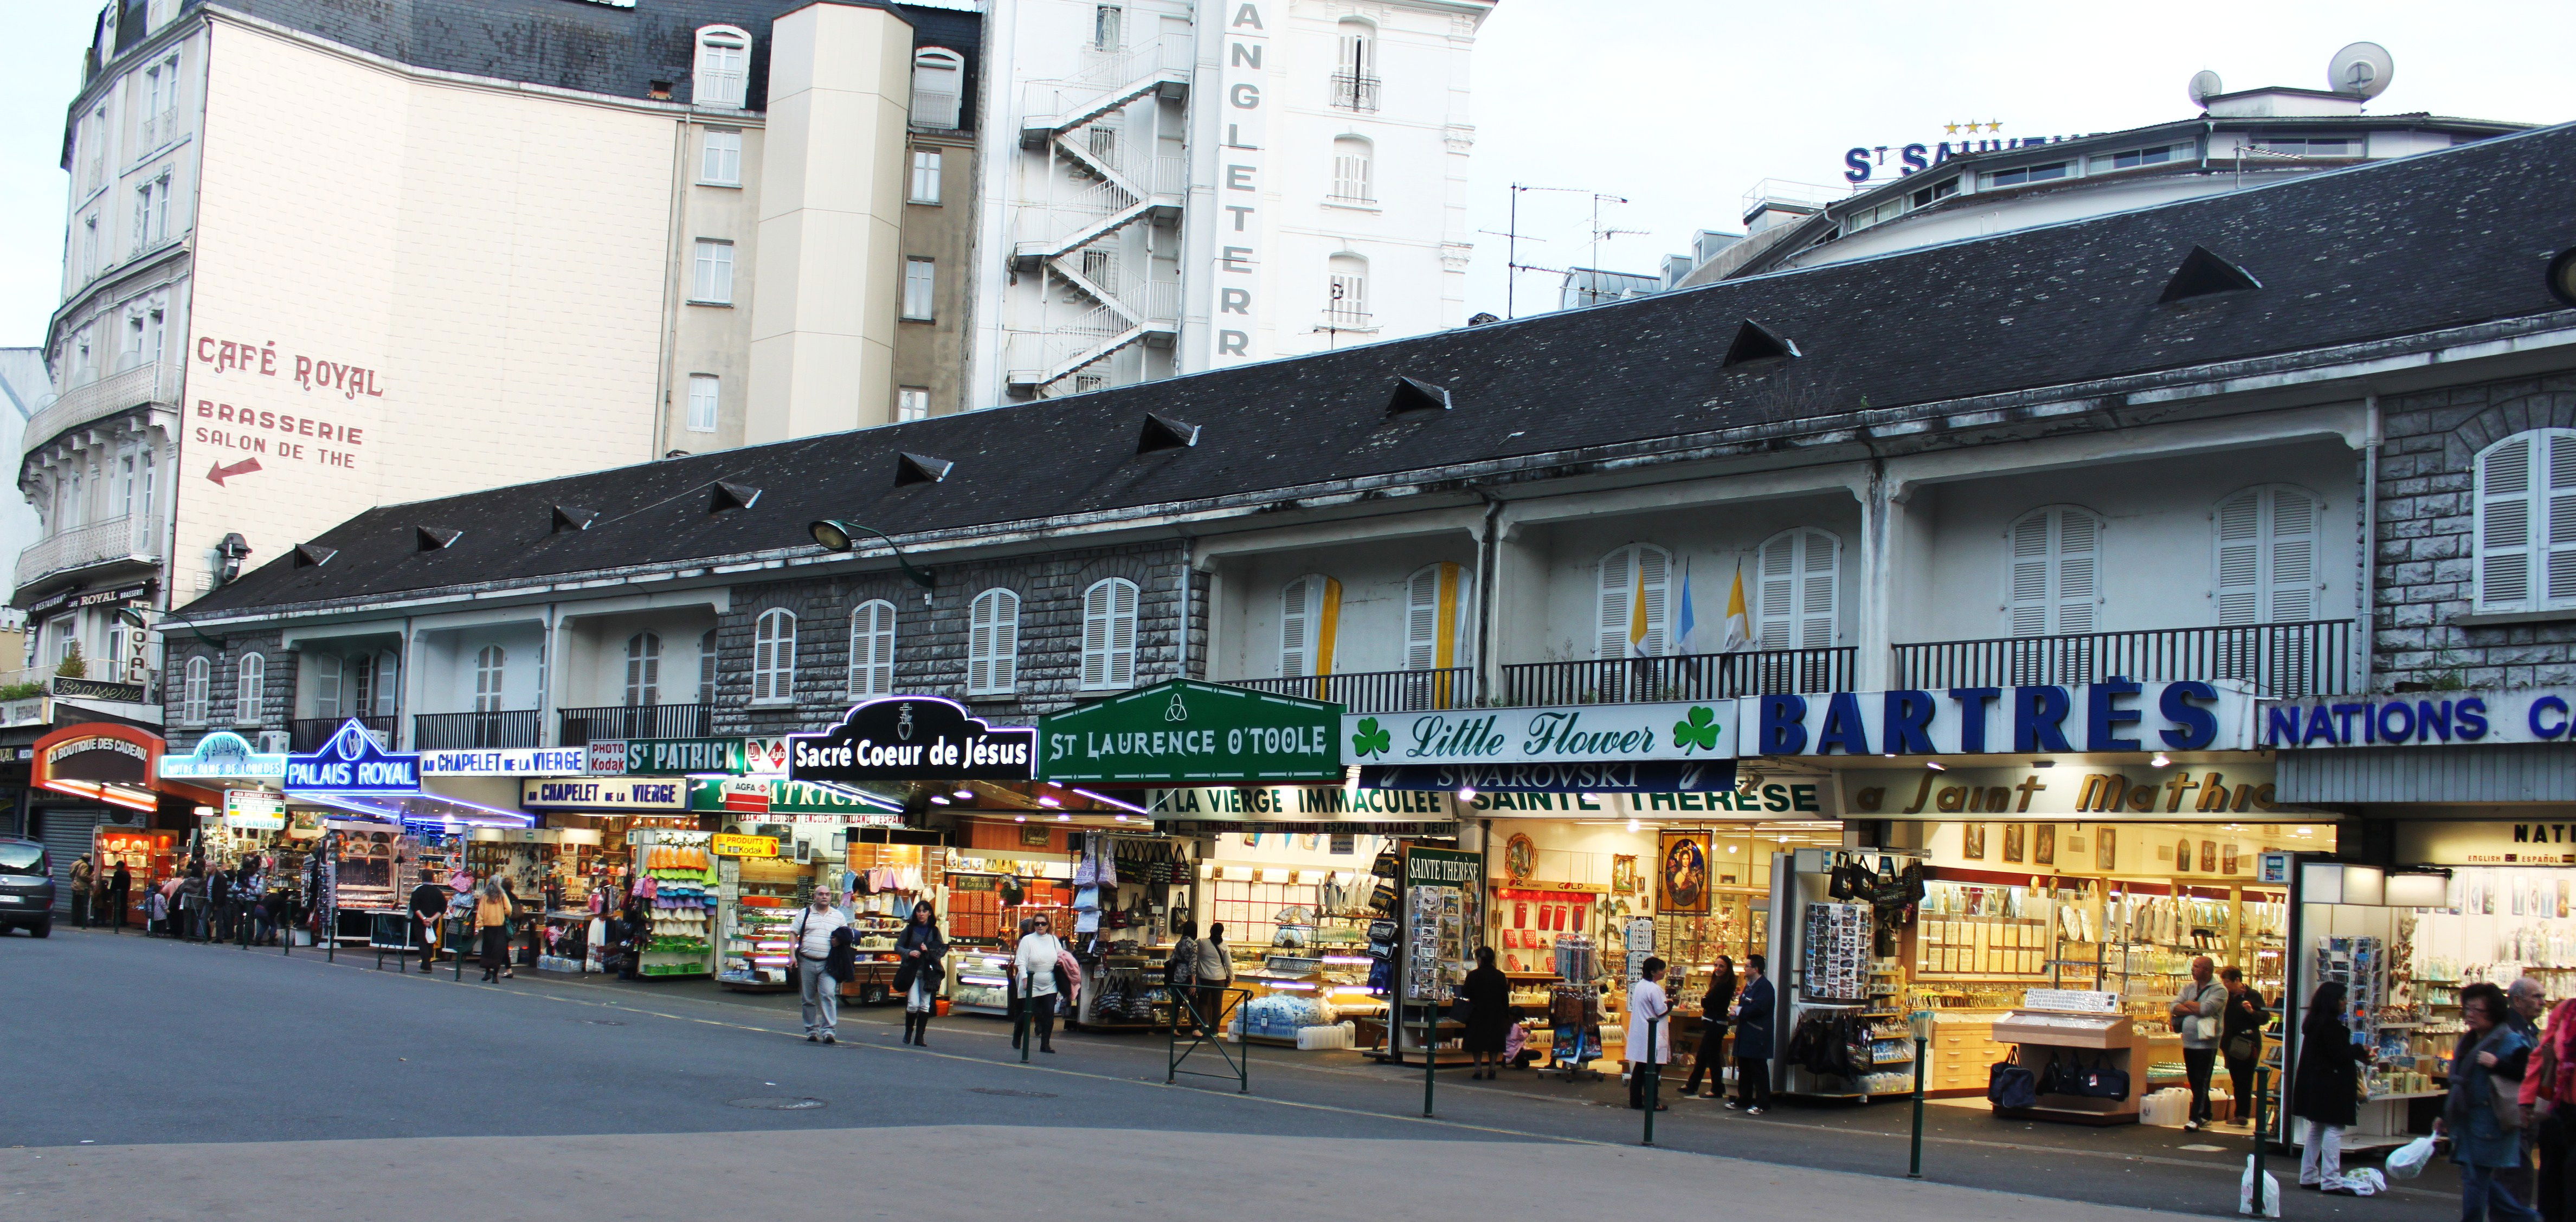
x,y
2245,1192
2410,1159
2365,1181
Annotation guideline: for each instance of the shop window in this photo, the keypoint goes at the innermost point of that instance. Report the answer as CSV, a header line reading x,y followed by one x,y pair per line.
x,y
2267,556
1800,590
1635,597
773,657
872,649
192,692
643,670
491,672
1435,614
1310,611
250,687
2050,584
993,644
2526,522
1109,635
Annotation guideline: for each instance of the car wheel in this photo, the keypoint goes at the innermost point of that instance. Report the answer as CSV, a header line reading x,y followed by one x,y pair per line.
x,y
43,929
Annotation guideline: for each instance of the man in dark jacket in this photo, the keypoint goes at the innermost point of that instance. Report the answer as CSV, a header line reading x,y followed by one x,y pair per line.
x,y
1753,1040
120,888
428,904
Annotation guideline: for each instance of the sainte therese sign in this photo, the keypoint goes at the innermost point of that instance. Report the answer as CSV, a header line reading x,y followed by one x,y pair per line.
x,y
1184,732
912,738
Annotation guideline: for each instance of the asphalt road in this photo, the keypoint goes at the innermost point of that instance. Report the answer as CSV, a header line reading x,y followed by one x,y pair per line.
x,y
287,1080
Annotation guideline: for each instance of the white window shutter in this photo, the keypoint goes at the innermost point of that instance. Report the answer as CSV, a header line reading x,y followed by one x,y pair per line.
x,y
2291,569
2504,526
326,686
1296,629
1095,635
2240,558
1006,640
1776,599
979,644
1422,619
872,649
1655,569
2078,555
1818,588
2562,518
1613,639
1122,634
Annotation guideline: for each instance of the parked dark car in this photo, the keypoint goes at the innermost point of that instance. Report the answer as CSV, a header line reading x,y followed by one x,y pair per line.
x,y
26,888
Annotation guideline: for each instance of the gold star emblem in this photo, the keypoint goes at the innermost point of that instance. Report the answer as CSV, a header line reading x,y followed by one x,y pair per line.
x,y
1950,128
1996,126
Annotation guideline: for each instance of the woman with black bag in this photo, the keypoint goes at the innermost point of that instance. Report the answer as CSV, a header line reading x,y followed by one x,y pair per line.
x,y
920,972
2325,1092
1712,1030
2240,1039
1181,973
1488,994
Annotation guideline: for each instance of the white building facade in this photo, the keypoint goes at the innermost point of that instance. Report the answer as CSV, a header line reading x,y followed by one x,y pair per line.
x,y
1197,185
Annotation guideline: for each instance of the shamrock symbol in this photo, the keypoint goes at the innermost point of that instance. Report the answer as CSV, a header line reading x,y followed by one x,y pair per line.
x,y
1371,740
1699,732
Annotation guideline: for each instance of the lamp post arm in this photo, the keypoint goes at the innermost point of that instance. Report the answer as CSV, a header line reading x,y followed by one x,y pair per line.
x,y
924,578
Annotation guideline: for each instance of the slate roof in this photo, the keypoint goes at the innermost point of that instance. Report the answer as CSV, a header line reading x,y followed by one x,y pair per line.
x,y
2388,249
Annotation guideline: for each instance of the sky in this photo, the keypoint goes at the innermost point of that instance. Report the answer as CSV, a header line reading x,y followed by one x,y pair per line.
x,y
1680,106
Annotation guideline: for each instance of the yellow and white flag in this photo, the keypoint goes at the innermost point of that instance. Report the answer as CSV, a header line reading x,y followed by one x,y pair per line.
x,y
1739,624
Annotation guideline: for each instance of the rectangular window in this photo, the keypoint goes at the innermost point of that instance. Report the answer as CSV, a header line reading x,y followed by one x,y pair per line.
x,y
721,166
98,142
1108,23
925,176
912,403
2028,174
165,104
920,282
702,402
155,333
2310,146
130,354
151,213
714,285
2130,159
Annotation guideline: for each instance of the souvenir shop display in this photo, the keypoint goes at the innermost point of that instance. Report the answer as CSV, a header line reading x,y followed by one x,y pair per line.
x,y
1837,952
2088,1067
1136,881
675,886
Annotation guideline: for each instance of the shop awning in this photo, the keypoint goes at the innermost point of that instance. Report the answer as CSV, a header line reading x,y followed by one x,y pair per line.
x,y
111,763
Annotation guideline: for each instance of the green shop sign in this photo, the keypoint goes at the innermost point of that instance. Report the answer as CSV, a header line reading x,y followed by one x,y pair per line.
x,y
685,756
1184,732
780,796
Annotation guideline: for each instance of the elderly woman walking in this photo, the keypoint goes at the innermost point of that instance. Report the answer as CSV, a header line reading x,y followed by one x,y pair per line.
x,y
2482,1116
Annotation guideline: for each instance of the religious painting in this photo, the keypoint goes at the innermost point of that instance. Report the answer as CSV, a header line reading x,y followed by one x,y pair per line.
x,y
2106,850
2209,857
2013,843
2227,860
1623,873
2043,845
1972,841
1682,873
2182,856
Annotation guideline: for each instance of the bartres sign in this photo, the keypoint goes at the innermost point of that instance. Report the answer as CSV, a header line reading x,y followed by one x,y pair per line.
x,y
2115,715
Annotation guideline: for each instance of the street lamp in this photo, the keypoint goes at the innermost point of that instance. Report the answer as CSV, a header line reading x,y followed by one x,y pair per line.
x,y
835,535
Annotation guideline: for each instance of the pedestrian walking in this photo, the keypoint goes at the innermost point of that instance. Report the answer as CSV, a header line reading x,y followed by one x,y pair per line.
x,y
2326,1089
2482,1114
2526,999
120,890
2240,1039
1489,1013
219,903
2196,1012
1034,965
192,902
923,965
1712,1030
1180,975
1753,1040
1215,970
428,904
815,947
492,925
2552,1085
1650,1031
82,874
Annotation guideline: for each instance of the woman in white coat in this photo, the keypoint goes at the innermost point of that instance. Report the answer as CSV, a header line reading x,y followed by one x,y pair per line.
x,y
1650,1031
1034,966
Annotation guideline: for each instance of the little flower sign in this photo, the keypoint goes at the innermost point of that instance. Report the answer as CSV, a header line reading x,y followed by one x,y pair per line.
x,y
1571,734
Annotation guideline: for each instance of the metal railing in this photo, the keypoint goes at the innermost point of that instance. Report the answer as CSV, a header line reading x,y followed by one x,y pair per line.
x,y
1355,90
2281,661
1167,57
476,731
1381,691
305,735
1695,676
154,382
582,727
125,537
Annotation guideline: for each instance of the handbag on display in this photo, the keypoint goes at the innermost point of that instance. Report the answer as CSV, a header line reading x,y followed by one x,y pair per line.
x,y
2053,1078
2010,1084
2101,1080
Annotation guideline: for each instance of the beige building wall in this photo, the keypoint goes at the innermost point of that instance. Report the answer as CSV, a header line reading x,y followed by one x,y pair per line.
x,y
930,355
409,286
711,340
831,219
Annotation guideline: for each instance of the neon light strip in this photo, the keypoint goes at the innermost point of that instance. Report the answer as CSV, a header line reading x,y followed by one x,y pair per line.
x,y
1109,801
516,818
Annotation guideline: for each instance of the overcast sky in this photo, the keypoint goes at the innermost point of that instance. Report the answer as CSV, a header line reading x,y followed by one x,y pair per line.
x,y
1679,106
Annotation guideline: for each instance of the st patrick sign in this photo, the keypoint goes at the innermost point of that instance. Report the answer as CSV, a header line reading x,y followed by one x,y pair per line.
x,y
1185,733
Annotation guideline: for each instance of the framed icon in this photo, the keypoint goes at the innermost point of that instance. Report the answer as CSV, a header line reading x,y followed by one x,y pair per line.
x,y
2182,856
1623,873
2106,850
2209,857
2043,844
2013,843
1682,873
1972,841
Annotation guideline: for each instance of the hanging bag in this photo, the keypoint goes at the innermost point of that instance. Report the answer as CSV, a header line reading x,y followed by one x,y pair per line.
x,y
2010,1084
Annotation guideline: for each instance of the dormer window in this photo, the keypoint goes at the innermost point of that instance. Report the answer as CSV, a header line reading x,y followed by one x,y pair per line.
x,y
724,67
938,88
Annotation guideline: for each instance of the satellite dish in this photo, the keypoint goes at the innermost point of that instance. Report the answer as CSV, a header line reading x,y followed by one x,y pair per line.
x,y
2204,86
2362,70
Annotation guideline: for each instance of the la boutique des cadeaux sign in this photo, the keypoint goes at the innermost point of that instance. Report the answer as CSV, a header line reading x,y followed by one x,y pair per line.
x,y
912,738
1183,732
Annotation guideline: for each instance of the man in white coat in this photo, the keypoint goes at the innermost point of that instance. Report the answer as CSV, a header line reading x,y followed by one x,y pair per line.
x,y
1650,1031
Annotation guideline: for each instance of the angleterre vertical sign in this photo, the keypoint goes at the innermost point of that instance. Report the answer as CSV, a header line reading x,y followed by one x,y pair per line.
x,y
1242,181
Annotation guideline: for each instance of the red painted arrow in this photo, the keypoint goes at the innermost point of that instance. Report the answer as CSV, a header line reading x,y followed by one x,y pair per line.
x,y
222,472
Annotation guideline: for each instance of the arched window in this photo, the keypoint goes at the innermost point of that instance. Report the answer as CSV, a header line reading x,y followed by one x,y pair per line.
x,y
1355,66
250,689
1799,590
643,670
993,644
1435,617
1109,635
872,649
192,692
2266,555
724,67
1346,292
491,672
938,88
707,667
1310,613
1635,597
2052,581
1352,181
2526,522
773,657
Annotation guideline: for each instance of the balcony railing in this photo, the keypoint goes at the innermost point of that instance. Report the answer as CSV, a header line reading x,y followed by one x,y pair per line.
x,y
1381,691
2281,661
306,735
582,727
476,731
1698,676
1355,90
155,382
128,537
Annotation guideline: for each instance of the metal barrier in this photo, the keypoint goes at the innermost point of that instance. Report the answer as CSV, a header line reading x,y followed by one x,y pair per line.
x,y
1203,1033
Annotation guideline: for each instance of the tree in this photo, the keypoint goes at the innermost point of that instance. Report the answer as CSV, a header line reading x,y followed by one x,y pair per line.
x,y
74,666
